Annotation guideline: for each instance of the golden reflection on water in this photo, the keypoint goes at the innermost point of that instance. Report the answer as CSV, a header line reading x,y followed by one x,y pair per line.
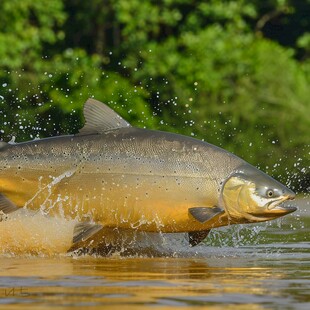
x,y
36,272
131,282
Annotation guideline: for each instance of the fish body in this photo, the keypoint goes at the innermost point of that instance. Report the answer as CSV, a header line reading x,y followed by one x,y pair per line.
x,y
118,176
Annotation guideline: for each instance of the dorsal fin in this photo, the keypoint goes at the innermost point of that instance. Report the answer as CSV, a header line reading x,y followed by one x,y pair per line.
x,y
100,118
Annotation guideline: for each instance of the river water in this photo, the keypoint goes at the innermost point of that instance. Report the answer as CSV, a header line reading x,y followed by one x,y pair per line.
x,y
265,266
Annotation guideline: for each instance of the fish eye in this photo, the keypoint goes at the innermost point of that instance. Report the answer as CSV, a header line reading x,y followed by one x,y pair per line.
x,y
269,193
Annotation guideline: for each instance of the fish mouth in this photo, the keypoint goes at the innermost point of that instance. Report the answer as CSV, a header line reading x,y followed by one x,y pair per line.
x,y
277,208
283,206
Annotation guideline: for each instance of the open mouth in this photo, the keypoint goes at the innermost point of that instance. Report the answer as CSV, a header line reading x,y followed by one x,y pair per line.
x,y
283,205
277,208
284,208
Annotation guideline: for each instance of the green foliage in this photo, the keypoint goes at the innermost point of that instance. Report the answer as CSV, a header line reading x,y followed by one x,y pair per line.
x,y
25,27
211,69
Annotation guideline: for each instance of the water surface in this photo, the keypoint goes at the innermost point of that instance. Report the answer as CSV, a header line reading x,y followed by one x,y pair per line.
x,y
264,266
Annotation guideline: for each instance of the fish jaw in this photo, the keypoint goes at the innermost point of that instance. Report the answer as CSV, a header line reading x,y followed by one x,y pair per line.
x,y
284,209
278,208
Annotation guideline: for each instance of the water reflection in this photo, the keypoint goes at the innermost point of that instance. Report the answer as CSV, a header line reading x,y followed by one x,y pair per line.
x,y
142,282
130,281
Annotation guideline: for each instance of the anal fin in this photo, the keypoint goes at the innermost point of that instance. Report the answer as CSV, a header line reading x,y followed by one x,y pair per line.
x,y
6,206
204,214
83,231
195,237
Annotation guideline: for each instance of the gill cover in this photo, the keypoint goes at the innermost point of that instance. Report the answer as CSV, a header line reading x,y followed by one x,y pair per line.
x,y
249,195
235,196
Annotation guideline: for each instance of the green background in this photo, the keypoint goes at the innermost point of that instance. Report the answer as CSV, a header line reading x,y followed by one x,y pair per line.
x,y
234,73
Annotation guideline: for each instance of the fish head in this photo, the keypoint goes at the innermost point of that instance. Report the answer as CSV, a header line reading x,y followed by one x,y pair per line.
x,y
249,195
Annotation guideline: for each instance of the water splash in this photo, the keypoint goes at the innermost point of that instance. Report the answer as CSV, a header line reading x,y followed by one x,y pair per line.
x,y
26,232
33,233
38,234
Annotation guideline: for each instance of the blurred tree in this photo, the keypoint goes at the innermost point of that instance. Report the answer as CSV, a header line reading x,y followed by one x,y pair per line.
x,y
285,21
45,78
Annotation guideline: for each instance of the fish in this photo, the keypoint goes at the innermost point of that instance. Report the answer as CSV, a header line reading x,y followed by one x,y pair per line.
x,y
111,175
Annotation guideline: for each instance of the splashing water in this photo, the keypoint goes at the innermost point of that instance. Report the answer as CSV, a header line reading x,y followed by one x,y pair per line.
x,y
36,233
25,232
33,233
28,233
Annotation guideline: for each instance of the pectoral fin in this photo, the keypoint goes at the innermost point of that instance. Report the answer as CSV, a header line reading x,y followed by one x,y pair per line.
x,y
83,231
6,205
195,237
203,214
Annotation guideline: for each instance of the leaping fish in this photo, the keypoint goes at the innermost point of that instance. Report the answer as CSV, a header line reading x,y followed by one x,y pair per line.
x,y
113,175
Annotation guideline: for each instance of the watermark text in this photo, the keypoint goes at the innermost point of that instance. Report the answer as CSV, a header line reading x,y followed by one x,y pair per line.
x,y
19,291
